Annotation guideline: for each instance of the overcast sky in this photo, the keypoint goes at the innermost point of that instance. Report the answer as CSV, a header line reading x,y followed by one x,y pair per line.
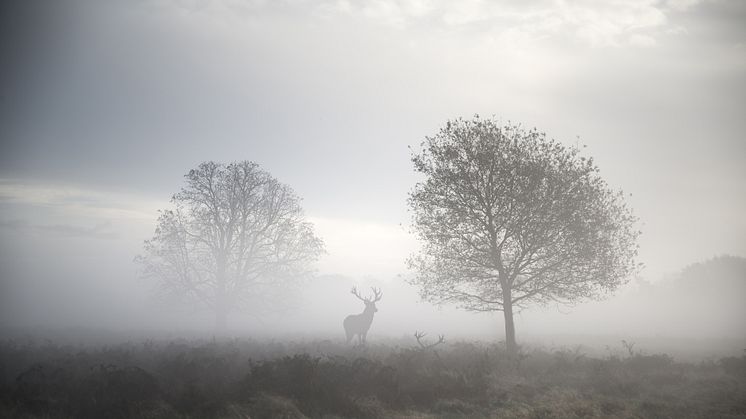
x,y
106,105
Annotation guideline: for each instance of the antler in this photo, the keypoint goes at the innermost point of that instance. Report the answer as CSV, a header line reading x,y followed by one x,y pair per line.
x,y
357,294
377,294
420,335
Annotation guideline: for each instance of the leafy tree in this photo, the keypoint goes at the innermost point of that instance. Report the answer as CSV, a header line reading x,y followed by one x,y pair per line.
x,y
508,217
234,237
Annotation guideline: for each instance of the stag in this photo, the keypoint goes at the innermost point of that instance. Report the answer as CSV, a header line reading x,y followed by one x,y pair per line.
x,y
425,346
358,324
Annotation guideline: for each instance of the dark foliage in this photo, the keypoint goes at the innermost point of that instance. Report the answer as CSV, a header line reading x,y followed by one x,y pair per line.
x,y
274,380
103,391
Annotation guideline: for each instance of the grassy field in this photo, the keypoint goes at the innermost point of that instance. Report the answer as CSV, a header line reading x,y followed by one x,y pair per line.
x,y
325,379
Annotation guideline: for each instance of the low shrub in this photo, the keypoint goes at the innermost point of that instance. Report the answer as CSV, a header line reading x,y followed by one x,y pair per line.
x,y
204,379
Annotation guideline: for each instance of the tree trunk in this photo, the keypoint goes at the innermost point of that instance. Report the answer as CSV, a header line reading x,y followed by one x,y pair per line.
x,y
221,319
509,325
221,311
221,308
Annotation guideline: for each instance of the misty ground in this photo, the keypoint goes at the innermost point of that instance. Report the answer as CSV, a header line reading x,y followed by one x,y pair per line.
x,y
325,378
669,349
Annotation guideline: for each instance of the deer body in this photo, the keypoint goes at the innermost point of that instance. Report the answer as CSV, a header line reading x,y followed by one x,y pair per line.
x,y
359,324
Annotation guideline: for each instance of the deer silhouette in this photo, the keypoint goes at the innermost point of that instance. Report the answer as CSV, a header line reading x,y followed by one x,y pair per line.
x,y
358,324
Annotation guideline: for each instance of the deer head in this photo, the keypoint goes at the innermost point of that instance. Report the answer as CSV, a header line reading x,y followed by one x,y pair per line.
x,y
370,303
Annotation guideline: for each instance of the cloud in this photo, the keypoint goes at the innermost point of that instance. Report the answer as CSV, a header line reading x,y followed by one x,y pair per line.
x,y
600,23
642,40
682,5
47,210
594,23
74,200
98,231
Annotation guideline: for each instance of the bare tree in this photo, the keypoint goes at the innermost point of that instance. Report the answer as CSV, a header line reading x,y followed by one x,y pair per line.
x,y
359,324
508,217
234,237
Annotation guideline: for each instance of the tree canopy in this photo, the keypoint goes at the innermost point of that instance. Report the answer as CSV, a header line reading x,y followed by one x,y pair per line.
x,y
234,235
508,217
